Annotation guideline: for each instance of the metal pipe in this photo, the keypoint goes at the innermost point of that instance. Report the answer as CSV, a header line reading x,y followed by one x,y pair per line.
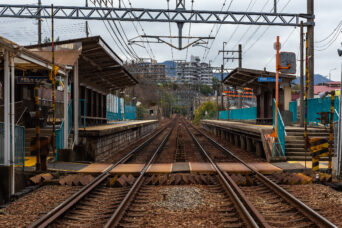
x,y
301,74
53,74
12,127
307,77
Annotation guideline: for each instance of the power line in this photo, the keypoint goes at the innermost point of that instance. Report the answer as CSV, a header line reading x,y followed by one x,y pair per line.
x,y
262,34
136,29
168,8
212,29
122,42
206,52
283,44
326,46
335,29
192,8
142,29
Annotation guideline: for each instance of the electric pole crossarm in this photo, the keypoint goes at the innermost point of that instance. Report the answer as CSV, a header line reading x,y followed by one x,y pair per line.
x,y
154,15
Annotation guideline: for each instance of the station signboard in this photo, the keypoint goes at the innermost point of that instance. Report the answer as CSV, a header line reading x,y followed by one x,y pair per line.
x,y
268,79
31,80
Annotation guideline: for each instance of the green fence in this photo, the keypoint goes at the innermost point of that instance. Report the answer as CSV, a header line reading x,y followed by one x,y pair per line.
x,y
239,114
280,132
293,109
19,147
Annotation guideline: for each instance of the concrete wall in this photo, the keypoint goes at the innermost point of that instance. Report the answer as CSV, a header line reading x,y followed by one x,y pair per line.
x,y
105,146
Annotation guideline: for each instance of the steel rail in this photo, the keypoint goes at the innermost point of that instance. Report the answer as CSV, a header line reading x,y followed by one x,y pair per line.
x,y
120,210
311,214
76,197
247,217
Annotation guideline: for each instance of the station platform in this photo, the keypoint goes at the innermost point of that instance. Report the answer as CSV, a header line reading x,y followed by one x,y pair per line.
x,y
114,126
100,143
184,167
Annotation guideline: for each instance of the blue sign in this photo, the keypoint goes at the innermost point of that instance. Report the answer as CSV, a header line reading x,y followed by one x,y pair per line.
x,y
32,79
268,79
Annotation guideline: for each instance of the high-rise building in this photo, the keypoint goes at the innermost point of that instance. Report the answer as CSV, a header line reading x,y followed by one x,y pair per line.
x,y
151,71
194,72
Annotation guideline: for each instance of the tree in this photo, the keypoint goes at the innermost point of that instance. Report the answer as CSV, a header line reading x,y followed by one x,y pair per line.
x,y
206,90
205,110
216,84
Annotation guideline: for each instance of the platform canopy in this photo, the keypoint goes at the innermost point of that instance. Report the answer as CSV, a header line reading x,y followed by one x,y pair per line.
x,y
99,66
242,77
25,59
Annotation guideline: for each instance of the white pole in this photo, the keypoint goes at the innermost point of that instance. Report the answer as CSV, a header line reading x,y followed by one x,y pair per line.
x,y
66,116
339,141
12,127
76,103
6,109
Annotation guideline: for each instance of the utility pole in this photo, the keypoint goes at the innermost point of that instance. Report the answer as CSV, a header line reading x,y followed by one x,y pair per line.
x,y
311,62
301,111
39,23
222,108
240,56
86,23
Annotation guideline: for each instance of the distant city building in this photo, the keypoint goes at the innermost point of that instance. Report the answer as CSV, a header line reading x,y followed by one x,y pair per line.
x,y
151,71
194,72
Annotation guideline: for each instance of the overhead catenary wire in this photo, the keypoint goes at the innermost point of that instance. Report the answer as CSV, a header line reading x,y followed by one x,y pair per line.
x,y
187,50
170,31
212,29
331,42
283,45
121,42
142,29
267,28
137,31
207,50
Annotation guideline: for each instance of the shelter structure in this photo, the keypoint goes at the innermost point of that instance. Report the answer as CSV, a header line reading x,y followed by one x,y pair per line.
x,y
17,64
263,85
95,71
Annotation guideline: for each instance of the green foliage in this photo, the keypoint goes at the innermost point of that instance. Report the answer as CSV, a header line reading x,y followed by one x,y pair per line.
x,y
141,112
206,110
216,83
206,90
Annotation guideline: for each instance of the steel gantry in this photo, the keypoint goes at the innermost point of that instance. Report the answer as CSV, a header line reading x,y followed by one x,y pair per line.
x,y
154,15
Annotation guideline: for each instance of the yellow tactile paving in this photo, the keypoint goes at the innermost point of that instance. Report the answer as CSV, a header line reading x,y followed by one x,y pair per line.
x,y
128,168
95,168
111,126
322,164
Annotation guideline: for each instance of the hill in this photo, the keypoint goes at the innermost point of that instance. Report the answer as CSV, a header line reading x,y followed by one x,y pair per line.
x,y
319,79
170,68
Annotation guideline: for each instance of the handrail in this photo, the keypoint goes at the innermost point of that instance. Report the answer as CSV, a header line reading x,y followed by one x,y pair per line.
x,y
22,114
281,137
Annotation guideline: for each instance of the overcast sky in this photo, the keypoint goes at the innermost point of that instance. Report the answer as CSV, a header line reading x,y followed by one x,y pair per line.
x,y
257,41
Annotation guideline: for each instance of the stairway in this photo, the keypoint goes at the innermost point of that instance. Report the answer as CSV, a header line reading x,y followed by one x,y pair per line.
x,y
295,143
31,132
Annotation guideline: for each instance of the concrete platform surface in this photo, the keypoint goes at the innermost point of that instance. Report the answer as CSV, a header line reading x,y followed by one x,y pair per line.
x,y
299,165
114,127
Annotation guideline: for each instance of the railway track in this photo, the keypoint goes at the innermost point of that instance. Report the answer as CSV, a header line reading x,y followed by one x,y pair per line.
x,y
267,204
95,203
181,199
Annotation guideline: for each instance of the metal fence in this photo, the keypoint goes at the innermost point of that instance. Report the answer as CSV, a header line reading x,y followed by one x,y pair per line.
x,y
315,106
19,133
60,131
239,114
